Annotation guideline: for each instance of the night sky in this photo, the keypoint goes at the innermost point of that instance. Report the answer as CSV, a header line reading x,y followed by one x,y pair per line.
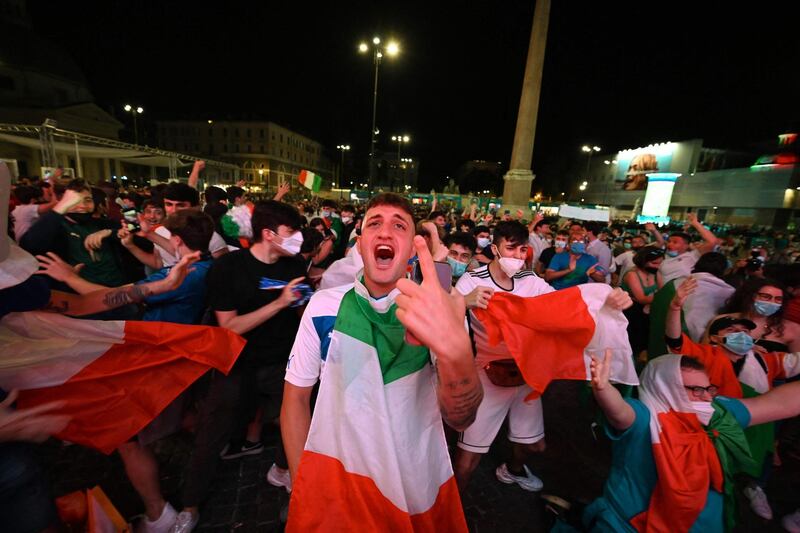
x,y
617,75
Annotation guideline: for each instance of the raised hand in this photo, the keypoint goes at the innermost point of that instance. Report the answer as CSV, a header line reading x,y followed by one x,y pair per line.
x,y
181,269
69,200
95,240
600,370
58,269
618,300
431,316
683,292
124,235
283,189
144,225
288,294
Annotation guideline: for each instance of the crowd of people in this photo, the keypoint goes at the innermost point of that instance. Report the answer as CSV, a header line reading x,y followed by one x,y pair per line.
x,y
712,324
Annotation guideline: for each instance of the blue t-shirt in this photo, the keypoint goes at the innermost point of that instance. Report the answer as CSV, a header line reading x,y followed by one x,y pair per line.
x,y
184,305
577,276
633,476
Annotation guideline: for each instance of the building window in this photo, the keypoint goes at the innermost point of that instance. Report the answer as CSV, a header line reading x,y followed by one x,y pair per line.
x,y
281,152
273,136
210,149
261,133
237,148
249,133
225,148
225,132
262,149
281,137
236,132
249,149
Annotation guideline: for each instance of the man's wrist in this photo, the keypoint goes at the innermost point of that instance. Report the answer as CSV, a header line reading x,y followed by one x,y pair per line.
x,y
458,347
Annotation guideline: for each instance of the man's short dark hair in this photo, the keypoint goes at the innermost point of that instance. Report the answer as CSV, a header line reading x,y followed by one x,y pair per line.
x,y
180,192
594,227
462,238
468,222
393,200
647,254
152,203
712,262
25,194
480,229
512,232
311,239
234,192
194,228
348,208
269,214
329,203
79,185
683,235
435,214
563,232
215,195
540,224
690,363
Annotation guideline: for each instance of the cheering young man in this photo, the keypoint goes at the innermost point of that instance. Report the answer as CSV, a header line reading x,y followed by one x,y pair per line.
x,y
374,456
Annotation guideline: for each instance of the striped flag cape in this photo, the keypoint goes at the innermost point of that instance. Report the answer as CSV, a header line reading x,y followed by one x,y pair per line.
x,y
376,457
552,336
115,377
310,181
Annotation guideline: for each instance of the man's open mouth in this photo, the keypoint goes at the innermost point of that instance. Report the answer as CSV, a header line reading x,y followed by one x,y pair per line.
x,y
384,254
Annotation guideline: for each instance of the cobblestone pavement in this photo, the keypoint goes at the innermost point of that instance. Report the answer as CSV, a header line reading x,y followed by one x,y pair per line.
x,y
573,467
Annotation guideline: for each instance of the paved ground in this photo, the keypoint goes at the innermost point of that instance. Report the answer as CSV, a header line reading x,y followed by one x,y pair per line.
x,y
573,467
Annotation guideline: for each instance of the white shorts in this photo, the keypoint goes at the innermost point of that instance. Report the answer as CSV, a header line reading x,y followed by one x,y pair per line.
x,y
525,419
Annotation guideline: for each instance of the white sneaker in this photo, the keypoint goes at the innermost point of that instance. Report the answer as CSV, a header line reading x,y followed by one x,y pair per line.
x,y
279,477
162,525
527,482
791,522
758,502
185,523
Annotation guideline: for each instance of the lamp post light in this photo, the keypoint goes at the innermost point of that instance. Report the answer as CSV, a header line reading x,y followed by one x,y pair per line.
x,y
589,150
391,49
400,139
342,148
134,111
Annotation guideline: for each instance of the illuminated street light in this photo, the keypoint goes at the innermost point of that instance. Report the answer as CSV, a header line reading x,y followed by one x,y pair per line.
x,y
392,49
342,148
589,151
134,111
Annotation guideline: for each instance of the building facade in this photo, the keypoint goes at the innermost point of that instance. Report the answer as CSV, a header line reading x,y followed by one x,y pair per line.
x,y
266,152
721,186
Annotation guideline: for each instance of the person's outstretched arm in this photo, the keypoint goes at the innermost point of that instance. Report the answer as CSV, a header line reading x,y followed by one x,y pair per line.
x,y
619,413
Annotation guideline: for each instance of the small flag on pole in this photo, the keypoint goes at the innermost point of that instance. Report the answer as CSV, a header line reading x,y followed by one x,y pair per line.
x,y
310,181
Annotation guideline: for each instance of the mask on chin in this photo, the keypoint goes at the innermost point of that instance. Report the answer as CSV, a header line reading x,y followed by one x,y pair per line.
x,y
704,411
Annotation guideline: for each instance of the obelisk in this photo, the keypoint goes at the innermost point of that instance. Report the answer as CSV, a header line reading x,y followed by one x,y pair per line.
x,y
517,187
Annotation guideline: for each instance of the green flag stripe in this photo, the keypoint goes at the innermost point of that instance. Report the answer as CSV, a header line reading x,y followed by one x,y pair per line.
x,y
384,333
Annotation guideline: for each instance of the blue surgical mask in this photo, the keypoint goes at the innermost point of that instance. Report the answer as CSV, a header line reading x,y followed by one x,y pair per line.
x,y
766,308
561,244
739,342
458,267
627,245
577,248
672,253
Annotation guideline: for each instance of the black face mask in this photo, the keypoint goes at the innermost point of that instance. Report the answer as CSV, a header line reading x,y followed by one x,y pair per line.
x,y
81,218
635,248
652,270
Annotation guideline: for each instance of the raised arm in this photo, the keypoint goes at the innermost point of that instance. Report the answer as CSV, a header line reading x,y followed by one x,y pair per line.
x,y
672,327
779,403
709,239
435,319
619,413
194,177
652,229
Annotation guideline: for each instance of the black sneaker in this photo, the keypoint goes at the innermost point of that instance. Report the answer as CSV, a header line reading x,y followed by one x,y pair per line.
x,y
236,451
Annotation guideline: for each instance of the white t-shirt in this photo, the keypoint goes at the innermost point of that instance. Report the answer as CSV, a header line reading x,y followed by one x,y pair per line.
x,y
216,244
524,283
24,216
678,267
624,262
538,243
600,251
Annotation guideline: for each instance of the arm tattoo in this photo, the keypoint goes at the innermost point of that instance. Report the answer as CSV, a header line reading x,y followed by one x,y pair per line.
x,y
128,295
465,397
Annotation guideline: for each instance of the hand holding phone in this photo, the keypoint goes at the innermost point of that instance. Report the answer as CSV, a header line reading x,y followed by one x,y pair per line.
x,y
444,273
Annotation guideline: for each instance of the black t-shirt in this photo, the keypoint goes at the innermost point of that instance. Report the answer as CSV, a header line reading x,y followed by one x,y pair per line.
x,y
546,256
233,285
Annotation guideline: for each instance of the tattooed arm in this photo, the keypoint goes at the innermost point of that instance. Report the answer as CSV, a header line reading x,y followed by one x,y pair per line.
x,y
107,298
458,388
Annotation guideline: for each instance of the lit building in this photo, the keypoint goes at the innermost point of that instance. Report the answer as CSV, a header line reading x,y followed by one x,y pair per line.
x,y
392,174
266,153
721,186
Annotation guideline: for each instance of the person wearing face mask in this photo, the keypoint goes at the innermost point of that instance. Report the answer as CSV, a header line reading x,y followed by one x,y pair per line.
x,y
265,319
483,252
740,371
640,283
680,257
574,268
762,301
460,248
624,261
348,225
526,425
676,449
559,247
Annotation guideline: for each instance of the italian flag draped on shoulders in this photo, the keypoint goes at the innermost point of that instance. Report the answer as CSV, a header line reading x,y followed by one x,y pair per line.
x,y
376,457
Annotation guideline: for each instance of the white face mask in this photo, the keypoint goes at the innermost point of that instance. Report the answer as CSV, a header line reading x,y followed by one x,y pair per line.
x,y
704,411
347,220
511,265
291,245
483,242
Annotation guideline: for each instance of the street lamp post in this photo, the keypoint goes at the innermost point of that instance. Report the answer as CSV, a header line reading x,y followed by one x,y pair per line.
x,y
134,111
400,139
391,49
342,148
589,150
